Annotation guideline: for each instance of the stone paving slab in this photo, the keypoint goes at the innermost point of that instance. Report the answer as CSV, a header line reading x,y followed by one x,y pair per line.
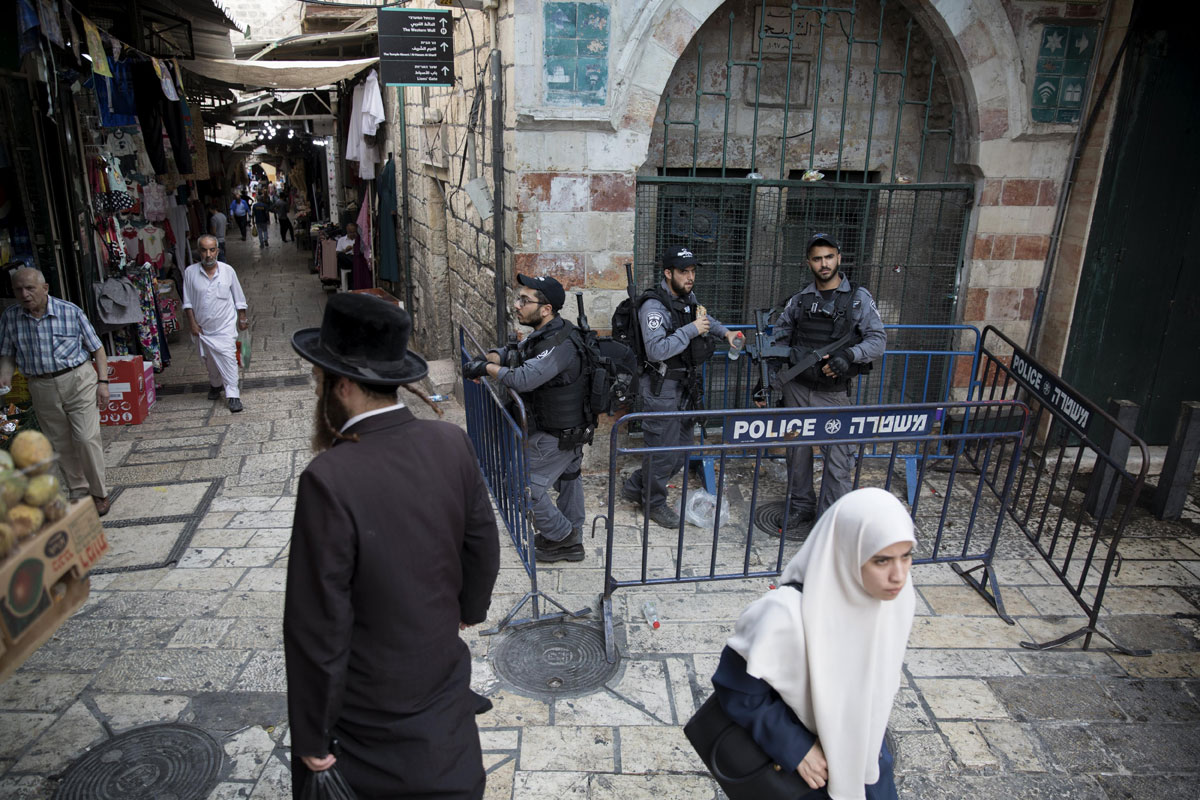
x,y
200,642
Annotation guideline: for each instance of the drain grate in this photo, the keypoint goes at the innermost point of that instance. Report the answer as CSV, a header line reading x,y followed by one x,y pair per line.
x,y
158,762
769,517
555,658
246,383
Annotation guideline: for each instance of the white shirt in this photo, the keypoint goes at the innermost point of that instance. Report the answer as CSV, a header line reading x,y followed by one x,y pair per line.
x,y
360,417
214,300
346,245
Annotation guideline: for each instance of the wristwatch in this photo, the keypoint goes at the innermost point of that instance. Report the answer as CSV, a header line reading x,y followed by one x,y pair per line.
x,y
100,381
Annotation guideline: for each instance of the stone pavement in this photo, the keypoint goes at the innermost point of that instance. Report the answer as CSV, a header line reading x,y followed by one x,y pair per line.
x,y
198,640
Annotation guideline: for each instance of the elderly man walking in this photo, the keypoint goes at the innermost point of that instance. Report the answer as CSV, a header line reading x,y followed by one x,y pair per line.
x,y
216,310
50,340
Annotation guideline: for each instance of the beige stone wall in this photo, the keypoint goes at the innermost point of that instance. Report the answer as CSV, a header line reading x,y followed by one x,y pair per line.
x,y
268,19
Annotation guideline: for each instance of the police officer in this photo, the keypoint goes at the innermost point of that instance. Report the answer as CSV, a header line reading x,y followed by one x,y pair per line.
x,y
545,369
823,312
677,343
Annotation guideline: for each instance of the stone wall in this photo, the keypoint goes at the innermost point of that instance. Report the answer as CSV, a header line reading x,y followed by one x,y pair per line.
x,y
268,19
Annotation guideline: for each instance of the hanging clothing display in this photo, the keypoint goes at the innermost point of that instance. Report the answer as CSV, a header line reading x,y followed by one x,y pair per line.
x,y
147,342
115,96
177,216
389,268
156,113
153,244
371,117
154,200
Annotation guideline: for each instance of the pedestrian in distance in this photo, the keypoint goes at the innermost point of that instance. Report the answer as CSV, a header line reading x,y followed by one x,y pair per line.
x,y
829,310
261,211
545,369
675,335
239,209
217,224
54,345
394,550
216,310
281,214
813,667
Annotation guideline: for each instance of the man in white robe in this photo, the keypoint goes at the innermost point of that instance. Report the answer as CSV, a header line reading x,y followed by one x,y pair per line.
x,y
216,310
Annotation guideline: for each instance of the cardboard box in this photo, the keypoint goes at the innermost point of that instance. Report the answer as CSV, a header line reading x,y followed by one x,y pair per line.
x,y
128,403
44,580
151,386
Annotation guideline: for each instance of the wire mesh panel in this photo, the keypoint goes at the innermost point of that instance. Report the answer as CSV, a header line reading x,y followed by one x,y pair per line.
x,y
904,243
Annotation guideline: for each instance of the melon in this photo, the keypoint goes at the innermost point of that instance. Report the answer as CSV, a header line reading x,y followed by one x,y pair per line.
x,y
6,461
31,451
12,488
41,490
8,539
25,519
56,509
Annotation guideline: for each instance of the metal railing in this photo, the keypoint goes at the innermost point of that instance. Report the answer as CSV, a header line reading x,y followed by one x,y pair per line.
x,y
959,511
1072,498
496,425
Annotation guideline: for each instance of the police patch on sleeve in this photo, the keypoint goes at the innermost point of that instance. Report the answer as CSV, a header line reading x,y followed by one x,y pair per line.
x,y
654,320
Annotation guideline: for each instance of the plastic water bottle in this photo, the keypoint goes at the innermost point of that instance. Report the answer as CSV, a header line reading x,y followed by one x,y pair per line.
x,y
650,613
735,349
439,398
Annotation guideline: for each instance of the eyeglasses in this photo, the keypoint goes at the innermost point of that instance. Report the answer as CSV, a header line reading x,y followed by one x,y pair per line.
x,y
523,301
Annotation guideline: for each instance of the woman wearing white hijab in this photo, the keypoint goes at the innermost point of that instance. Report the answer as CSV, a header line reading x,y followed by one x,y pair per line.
x,y
813,667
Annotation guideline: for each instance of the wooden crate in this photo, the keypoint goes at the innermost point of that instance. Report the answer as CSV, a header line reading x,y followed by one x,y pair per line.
x,y
44,580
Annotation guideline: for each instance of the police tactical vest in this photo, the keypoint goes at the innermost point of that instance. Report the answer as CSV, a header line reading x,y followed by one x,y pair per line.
x,y
680,313
560,403
815,329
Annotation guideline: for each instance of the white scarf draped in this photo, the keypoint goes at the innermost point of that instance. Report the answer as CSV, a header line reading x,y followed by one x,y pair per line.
x,y
834,653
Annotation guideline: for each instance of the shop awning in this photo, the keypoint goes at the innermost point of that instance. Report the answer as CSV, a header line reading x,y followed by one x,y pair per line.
x,y
277,74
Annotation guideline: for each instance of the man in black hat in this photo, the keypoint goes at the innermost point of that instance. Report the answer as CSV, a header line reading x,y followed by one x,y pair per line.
x,y
829,309
545,369
676,336
394,550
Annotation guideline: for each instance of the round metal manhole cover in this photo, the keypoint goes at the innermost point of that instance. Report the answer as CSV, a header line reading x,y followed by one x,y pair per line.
x,y
557,658
769,517
158,762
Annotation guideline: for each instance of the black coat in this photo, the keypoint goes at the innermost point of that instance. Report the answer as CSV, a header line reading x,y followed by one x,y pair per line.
x,y
393,544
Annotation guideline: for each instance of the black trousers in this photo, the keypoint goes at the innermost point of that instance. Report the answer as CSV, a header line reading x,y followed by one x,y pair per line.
x,y
155,112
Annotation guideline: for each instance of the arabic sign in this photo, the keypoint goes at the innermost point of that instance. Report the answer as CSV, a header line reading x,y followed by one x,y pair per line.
x,y
416,47
755,429
1046,389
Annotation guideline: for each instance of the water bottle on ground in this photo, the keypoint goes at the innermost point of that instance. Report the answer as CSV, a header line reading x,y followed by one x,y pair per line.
x,y
650,613
735,349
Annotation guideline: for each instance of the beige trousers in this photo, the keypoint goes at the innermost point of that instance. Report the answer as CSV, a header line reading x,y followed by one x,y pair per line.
x,y
67,413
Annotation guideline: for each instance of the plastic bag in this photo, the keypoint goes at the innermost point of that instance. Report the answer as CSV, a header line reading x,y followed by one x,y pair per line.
x,y
327,785
702,507
243,349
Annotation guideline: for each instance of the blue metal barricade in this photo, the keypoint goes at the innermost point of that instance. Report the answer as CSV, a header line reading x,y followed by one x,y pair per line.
x,y
496,425
921,365
964,473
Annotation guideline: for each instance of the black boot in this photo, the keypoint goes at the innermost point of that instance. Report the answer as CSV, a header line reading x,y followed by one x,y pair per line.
x,y
568,549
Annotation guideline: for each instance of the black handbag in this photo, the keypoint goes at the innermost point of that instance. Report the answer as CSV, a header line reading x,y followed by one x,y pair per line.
x,y
744,771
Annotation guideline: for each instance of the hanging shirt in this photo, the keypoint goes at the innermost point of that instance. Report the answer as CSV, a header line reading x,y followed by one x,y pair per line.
x,y
153,244
154,202
371,116
354,140
131,240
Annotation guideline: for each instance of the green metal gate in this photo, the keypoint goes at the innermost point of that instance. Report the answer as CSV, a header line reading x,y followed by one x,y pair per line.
x,y
745,176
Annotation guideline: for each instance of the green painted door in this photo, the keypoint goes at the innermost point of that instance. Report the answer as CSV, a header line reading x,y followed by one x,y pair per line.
x,y
1136,329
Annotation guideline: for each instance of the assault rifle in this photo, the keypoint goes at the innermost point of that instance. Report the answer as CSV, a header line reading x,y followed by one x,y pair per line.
x,y
798,358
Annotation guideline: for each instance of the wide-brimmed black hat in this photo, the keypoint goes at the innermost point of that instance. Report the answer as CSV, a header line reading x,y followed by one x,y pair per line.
x,y
363,338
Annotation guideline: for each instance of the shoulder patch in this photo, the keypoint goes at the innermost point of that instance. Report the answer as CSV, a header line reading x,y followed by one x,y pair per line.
x,y
654,320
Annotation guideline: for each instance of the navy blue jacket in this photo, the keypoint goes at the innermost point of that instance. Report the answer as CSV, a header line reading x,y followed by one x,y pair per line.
x,y
753,704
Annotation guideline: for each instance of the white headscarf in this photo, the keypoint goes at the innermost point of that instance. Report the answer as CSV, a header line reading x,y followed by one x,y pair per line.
x,y
834,653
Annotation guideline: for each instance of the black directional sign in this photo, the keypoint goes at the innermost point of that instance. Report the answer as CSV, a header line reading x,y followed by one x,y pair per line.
x,y
416,47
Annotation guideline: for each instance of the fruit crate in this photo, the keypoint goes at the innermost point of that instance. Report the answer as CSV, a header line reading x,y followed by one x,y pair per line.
x,y
44,580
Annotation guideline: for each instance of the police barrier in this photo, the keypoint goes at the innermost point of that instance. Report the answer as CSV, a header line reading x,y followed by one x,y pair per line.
x,y
923,364
1072,498
964,475
497,429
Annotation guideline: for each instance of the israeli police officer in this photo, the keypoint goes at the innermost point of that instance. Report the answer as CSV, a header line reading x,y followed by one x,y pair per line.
x,y
828,309
545,370
676,339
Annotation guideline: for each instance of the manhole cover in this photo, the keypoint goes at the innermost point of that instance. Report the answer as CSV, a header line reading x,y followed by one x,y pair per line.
x,y
558,658
158,762
769,517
